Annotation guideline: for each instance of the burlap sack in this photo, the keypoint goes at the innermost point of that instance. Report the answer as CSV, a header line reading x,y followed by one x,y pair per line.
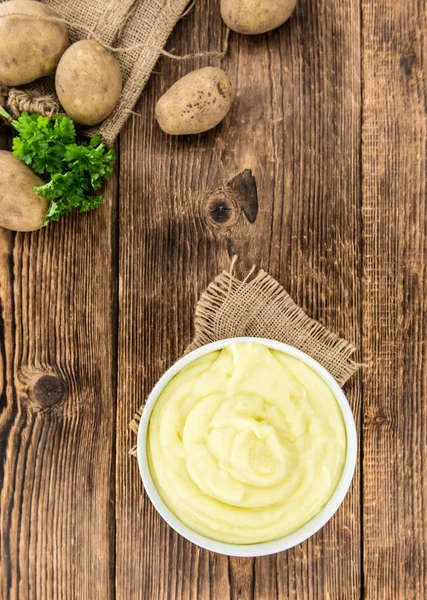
x,y
142,26
258,306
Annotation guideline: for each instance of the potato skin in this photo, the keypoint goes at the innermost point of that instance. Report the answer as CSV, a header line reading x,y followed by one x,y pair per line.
x,y
88,82
21,209
195,103
29,49
256,16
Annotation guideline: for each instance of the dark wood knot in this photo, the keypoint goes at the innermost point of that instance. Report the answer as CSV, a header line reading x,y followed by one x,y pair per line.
x,y
48,390
407,62
244,190
43,387
377,418
221,209
228,202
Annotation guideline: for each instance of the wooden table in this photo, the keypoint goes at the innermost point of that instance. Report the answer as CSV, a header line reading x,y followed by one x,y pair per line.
x,y
330,117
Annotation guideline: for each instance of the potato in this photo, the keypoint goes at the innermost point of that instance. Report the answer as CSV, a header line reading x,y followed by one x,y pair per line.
x,y
195,103
21,209
256,16
88,82
29,48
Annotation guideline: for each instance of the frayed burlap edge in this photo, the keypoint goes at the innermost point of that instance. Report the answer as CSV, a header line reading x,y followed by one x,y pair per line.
x,y
259,306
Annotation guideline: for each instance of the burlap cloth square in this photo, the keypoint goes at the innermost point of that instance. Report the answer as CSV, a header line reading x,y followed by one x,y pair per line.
x,y
258,306
140,28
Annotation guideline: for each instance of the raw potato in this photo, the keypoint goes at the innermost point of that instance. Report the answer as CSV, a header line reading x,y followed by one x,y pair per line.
x,y
21,209
29,48
88,82
256,16
195,103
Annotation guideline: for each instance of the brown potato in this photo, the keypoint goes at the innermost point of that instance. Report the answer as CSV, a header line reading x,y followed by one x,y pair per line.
x,y
195,103
88,82
256,16
29,48
21,209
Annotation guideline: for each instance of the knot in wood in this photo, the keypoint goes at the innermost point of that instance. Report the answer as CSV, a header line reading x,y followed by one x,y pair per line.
x,y
225,205
377,418
43,387
408,61
48,390
221,210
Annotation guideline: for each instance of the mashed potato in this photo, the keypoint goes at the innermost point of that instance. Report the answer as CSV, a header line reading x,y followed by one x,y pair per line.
x,y
246,444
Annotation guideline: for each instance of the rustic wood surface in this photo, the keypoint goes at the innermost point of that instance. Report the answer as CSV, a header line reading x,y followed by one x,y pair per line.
x,y
330,118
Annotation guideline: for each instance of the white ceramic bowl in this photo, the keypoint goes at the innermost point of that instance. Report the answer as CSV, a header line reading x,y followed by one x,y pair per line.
x,y
300,534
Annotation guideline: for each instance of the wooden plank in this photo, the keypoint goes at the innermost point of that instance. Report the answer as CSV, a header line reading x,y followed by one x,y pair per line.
x,y
296,124
319,253
57,364
394,299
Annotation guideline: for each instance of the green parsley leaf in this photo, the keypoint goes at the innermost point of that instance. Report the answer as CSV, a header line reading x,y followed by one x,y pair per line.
x,y
75,169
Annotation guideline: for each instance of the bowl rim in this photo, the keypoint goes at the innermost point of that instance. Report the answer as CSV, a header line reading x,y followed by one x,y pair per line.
x,y
263,548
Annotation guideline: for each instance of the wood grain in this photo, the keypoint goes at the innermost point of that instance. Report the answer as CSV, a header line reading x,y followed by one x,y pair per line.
x,y
295,124
329,120
57,410
394,300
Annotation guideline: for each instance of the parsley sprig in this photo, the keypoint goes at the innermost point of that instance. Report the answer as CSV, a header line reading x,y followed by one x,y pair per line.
x,y
75,170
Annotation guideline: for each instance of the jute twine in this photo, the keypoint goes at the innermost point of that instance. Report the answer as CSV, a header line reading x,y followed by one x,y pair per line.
x,y
134,30
258,306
